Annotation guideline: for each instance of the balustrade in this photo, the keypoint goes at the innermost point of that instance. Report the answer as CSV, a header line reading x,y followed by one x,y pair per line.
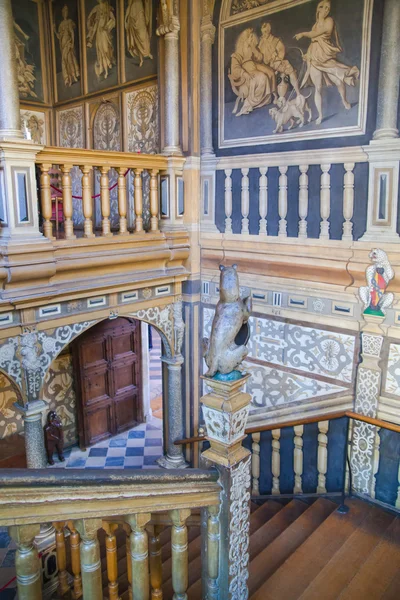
x,y
311,167
85,201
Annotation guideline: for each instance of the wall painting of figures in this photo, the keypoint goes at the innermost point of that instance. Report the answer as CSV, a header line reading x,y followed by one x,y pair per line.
x,y
101,44
140,40
292,70
29,50
65,24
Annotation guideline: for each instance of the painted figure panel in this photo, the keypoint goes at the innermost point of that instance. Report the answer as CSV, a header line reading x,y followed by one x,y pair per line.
x,y
66,44
294,72
101,44
140,39
34,122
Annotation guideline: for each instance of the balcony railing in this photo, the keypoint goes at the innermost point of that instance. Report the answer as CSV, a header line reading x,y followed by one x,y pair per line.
x,y
72,165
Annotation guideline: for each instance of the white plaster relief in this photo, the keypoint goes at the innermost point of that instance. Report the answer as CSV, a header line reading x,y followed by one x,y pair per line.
x,y
392,385
239,531
225,427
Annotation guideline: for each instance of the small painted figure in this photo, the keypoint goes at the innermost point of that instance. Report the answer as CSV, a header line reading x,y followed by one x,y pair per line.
x,y
374,296
54,437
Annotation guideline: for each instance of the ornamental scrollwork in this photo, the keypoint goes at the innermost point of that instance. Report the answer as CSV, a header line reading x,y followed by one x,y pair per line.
x,y
239,527
162,318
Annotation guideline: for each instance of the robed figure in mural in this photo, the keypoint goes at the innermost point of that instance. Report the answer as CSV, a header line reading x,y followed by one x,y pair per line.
x,y
66,37
25,71
138,23
321,59
100,23
252,81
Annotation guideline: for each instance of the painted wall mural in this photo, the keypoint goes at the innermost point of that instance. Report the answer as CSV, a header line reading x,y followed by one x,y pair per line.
x,y
10,418
101,44
142,120
71,135
36,123
140,56
293,70
66,48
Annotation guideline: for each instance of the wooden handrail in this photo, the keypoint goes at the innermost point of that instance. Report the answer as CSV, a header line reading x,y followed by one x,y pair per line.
x,y
305,421
100,158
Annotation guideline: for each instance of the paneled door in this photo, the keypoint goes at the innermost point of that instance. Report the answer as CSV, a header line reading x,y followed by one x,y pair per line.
x,y
107,362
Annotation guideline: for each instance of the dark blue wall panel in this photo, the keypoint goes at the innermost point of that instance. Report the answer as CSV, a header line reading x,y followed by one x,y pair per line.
x,y
265,463
387,478
310,450
337,444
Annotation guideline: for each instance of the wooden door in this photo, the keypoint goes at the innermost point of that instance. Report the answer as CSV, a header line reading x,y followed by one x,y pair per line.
x,y
107,362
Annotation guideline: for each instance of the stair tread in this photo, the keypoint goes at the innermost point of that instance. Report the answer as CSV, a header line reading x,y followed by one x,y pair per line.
x,y
263,513
291,579
275,554
265,534
379,570
340,570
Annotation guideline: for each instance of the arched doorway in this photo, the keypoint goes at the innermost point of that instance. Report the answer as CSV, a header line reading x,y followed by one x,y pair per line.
x,y
109,379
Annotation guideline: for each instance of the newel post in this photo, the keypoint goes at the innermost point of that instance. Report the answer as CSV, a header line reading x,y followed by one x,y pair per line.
x,y
225,410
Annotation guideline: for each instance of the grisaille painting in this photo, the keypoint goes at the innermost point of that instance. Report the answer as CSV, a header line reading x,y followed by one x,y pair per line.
x,y
140,39
293,70
28,50
65,25
101,44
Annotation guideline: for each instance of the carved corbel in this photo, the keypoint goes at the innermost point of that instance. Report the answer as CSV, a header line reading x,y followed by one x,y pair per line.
x,y
168,17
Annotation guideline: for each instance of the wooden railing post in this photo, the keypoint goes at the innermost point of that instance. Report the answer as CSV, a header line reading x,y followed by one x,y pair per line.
x,y
303,201
276,461
180,562
298,459
75,542
139,548
263,200
322,460
283,202
63,586
155,563
67,202
255,464
45,197
112,562
325,206
105,202
213,541
245,201
128,532
228,201
90,558
122,202
228,404
87,202
138,196
27,563
154,201
348,201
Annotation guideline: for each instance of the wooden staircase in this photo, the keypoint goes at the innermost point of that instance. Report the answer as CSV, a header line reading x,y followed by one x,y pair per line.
x,y
303,550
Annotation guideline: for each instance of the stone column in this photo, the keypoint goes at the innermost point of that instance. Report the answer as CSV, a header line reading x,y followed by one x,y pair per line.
x,y
207,40
33,433
225,411
10,120
389,74
174,458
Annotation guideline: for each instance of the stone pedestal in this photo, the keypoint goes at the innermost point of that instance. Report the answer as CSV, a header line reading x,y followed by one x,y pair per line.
x,y
33,432
225,411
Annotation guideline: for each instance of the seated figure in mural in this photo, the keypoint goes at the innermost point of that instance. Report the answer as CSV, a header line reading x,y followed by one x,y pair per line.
x,y
138,23
252,81
322,66
66,37
273,52
25,72
100,23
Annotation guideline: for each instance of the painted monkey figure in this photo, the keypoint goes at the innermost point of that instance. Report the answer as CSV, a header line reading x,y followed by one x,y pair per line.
x,y
378,275
54,437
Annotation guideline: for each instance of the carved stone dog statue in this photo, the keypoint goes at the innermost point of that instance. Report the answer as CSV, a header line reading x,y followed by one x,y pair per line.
x,y
54,437
222,352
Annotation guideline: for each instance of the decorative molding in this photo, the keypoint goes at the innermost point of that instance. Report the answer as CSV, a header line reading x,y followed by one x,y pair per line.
x,y
225,427
142,120
71,127
163,319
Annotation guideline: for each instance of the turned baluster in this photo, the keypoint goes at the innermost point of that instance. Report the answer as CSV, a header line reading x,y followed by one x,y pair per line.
x,y
245,198
303,201
63,586
128,532
213,541
375,462
87,202
154,200
90,558
298,459
263,200
255,464
179,542
75,541
155,563
325,201
122,201
228,201
112,562
322,456
348,202
138,197
27,562
67,202
282,202
105,202
139,556
276,460
45,196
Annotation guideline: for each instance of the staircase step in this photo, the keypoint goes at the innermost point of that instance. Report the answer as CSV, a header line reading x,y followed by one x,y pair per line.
x,y
264,513
266,534
340,570
299,570
379,570
275,554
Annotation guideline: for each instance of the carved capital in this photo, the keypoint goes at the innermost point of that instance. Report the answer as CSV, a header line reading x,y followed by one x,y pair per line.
x,y
207,30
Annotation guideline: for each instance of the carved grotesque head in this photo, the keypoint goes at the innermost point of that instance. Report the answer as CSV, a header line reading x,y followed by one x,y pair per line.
x,y
378,256
229,284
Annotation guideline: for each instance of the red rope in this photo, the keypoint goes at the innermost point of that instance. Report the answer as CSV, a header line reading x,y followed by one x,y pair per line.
x,y
14,578
59,192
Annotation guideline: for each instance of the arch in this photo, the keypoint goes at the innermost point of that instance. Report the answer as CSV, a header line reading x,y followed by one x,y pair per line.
x,y
11,418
